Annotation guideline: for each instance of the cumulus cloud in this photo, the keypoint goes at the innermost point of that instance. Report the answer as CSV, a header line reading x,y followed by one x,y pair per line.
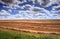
x,y
33,12
37,9
56,8
4,12
23,15
27,15
13,4
55,11
47,3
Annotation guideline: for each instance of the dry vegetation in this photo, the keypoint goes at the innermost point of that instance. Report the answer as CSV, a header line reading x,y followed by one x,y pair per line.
x,y
36,26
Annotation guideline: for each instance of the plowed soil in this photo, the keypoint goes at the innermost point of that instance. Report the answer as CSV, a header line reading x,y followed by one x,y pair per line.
x,y
36,26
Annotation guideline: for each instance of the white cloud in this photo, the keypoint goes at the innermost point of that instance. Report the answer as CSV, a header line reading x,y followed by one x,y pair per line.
x,y
9,10
28,15
12,5
32,13
4,12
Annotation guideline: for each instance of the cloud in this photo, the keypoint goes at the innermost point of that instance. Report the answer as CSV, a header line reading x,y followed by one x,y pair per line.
x,y
13,4
28,15
22,15
35,9
4,12
56,8
55,11
58,2
33,12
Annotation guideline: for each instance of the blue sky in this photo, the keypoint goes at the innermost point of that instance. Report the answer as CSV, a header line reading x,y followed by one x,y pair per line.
x,y
28,10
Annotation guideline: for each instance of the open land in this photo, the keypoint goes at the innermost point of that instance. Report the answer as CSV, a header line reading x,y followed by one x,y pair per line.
x,y
32,26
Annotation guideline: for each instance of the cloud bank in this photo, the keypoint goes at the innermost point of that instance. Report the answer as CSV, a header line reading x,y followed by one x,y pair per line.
x,y
28,11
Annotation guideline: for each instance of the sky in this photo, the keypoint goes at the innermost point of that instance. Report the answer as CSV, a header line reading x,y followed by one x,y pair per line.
x,y
29,9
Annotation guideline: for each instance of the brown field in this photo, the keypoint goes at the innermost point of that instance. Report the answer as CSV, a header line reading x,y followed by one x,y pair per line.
x,y
35,26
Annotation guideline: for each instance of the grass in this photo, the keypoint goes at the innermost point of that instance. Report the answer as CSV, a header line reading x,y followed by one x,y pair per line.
x,y
15,35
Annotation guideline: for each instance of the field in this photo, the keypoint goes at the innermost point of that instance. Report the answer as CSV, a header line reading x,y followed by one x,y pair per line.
x,y
9,34
29,29
32,26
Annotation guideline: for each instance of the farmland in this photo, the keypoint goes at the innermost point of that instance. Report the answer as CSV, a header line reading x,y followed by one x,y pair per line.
x,y
34,26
